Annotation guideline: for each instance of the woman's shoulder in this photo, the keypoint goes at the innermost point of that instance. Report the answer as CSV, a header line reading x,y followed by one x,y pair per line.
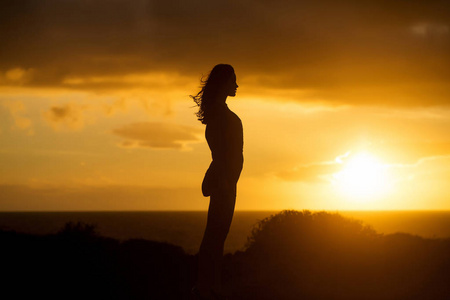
x,y
222,115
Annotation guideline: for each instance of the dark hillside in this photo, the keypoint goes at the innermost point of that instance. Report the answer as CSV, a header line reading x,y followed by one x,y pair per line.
x,y
290,255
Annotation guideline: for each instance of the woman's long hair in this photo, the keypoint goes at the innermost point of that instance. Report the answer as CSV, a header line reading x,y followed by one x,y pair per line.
x,y
207,97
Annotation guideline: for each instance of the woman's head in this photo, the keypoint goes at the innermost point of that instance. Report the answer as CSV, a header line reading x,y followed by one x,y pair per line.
x,y
220,83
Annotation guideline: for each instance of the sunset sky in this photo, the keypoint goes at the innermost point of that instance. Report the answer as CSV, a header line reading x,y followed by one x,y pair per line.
x,y
345,104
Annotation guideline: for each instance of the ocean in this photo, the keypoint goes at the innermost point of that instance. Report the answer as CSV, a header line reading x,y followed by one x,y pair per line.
x,y
186,228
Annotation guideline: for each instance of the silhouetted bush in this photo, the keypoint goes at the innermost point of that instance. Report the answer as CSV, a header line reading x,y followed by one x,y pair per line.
x,y
305,255
78,229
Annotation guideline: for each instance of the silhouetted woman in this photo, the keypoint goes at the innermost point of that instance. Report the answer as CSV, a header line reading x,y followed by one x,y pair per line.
x,y
225,139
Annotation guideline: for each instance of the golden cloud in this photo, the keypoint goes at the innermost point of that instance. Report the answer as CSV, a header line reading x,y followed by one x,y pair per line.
x,y
156,135
314,172
91,198
17,110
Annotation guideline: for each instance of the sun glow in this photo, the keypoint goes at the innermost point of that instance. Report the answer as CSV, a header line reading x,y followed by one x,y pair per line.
x,y
363,177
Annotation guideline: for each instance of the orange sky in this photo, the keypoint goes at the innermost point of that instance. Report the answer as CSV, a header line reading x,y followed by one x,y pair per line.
x,y
95,111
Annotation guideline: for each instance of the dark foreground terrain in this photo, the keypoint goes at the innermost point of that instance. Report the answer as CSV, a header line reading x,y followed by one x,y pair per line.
x,y
290,255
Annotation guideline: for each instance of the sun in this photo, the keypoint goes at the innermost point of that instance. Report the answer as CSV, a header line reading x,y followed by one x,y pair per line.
x,y
363,177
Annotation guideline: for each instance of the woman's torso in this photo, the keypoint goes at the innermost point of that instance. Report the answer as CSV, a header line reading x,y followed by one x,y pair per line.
x,y
224,135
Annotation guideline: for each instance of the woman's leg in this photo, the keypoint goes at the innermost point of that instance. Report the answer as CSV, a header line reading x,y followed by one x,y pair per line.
x,y
220,215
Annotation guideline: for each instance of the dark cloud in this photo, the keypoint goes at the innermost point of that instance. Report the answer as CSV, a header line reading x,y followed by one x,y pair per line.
x,y
381,52
68,116
157,135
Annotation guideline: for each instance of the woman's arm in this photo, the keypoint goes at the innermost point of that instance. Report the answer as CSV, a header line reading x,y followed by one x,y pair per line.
x,y
219,142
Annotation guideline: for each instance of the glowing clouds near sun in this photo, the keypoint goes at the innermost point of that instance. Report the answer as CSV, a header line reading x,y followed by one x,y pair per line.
x,y
363,177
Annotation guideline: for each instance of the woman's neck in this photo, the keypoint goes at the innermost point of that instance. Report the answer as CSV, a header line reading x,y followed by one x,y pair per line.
x,y
222,99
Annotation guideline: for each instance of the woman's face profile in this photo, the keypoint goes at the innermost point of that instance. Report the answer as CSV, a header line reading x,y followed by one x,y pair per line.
x,y
232,86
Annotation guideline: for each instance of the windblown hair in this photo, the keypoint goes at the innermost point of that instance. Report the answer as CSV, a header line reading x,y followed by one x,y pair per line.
x,y
207,97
